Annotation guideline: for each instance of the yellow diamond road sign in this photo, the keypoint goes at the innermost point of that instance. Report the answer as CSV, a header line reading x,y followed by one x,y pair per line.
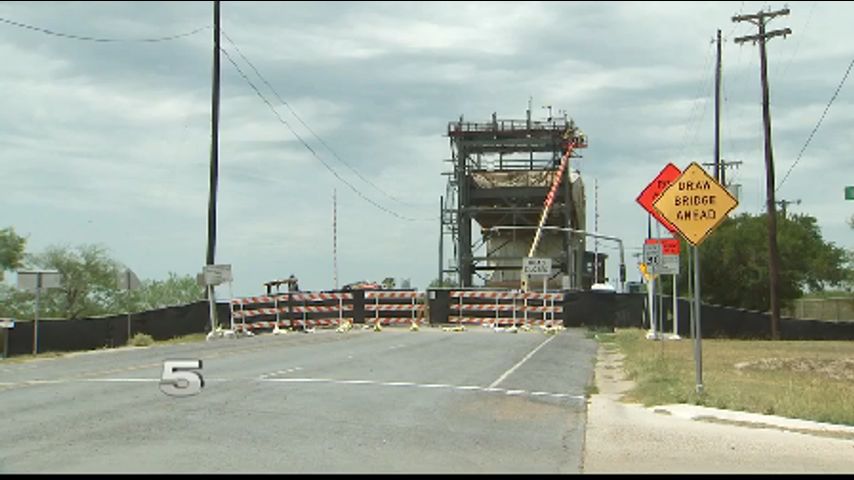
x,y
695,204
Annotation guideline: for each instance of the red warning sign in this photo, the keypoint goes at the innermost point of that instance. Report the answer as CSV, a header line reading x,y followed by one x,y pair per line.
x,y
652,191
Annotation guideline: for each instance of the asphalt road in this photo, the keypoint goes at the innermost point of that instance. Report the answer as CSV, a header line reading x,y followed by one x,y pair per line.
x,y
360,402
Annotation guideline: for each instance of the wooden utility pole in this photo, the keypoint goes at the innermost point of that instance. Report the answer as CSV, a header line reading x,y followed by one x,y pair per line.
x,y
785,203
335,238
760,19
718,171
214,171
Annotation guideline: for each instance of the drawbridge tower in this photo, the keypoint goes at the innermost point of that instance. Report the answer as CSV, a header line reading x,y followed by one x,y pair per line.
x,y
500,174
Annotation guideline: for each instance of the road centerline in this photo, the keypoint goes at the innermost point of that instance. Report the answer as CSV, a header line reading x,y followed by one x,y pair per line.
x,y
514,367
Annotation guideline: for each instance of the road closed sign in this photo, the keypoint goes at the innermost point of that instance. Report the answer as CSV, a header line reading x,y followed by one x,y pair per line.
x,y
537,266
652,191
695,204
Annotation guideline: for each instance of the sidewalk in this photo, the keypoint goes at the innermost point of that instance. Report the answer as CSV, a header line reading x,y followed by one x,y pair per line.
x,y
631,438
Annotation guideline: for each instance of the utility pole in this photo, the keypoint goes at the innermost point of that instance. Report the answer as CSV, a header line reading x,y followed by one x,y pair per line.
x,y
335,238
214,171
718,172
596,229
785,203
441,239
759,19
724,164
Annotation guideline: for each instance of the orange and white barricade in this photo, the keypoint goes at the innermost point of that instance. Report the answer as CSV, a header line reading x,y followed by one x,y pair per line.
x,y
395,301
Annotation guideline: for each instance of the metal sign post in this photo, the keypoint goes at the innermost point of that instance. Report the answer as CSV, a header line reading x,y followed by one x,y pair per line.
x,y
35,281
696,204
532,267
670,265
652,258
128,281
650,297
36,319
675,311
215,275
698,348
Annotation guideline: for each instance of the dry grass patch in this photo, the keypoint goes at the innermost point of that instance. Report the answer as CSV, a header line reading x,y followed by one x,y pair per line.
x,y
810,380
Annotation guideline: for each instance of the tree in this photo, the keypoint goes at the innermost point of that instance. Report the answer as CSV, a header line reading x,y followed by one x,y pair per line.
x,y
388,283
89,279
90,287
734,262
175,290
11,250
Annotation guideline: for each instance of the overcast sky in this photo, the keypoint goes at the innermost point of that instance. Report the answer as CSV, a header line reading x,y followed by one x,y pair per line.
x,y
109,142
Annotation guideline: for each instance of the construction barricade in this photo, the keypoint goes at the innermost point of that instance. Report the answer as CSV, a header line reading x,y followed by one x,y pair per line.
x,y
505,308
395,307
293,310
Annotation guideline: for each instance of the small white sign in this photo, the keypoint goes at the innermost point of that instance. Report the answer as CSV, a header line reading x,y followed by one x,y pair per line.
x,y
669,265
217,274
652,257
29,279
537,266
7,323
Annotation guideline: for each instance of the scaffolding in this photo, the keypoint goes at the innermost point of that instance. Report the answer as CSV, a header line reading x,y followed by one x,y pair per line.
x,y
500,174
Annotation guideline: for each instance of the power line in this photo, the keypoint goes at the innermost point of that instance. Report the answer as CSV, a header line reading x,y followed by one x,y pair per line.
x,y
101,40
703,86
334,154
308,147
798,41
817,125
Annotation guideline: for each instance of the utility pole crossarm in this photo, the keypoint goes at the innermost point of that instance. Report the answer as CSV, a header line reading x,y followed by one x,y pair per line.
x,y
767,36
759,16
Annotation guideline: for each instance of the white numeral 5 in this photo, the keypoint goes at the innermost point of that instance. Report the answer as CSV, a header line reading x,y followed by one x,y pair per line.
x,y
180,378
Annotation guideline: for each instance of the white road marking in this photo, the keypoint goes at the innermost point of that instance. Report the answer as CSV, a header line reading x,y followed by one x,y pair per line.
x,y
128,380
421,385
513,369
298,380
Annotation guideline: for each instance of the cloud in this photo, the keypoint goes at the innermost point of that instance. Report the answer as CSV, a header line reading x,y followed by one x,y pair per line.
x,y
110,143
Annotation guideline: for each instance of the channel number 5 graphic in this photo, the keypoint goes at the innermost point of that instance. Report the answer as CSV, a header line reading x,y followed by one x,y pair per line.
x,y
181,378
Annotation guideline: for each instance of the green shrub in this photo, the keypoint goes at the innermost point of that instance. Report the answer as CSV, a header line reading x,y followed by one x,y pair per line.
x,y
141,340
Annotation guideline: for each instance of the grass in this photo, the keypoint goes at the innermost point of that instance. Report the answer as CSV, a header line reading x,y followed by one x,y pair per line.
x,y
193,337
30,356
594,330
141,340
810,380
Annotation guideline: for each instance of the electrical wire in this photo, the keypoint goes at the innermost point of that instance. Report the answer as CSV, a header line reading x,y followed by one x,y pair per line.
x,y
817,125
100,40
308,147
294,113
798,40
703,86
